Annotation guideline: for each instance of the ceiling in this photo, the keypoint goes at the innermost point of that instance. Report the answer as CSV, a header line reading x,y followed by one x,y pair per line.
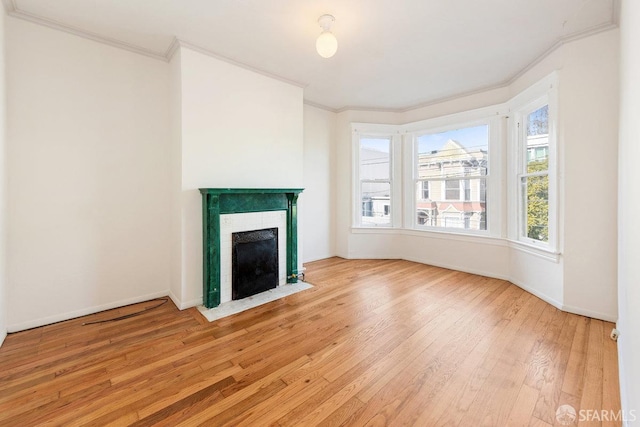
x,y
392,54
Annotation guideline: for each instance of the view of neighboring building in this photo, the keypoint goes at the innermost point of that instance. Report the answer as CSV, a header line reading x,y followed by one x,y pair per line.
x,y
451,178
375,181
534,176
451,190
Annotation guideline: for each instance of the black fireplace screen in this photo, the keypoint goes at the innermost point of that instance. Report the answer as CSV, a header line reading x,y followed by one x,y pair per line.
x,y
254,262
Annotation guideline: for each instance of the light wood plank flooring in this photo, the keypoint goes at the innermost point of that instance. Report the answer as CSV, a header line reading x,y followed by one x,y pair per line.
x,y
375,342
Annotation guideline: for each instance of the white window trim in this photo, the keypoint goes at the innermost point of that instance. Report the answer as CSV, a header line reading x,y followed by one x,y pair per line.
x,y
493,118
502,194
363,130
542,93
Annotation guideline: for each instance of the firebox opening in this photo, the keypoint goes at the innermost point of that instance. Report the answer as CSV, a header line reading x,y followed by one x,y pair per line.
x,y
254,262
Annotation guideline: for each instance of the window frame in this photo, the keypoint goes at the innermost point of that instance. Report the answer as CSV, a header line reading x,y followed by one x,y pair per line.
x,y
363,131
492,117
537,96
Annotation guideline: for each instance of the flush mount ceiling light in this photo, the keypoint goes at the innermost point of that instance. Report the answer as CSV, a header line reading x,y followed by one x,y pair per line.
x,y
327,44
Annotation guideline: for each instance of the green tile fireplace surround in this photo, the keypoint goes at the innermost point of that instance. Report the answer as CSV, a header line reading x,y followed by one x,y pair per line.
x,y
220,201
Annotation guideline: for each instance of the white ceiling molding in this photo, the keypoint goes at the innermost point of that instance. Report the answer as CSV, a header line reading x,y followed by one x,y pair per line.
x,y
9,6
12,10
559,44
319,106
172,49
428,103
176,43
166,56
187,45
616,12
503,84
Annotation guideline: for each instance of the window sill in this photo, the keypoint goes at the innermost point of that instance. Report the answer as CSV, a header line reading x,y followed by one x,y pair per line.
x,y
484,239
374,230
541,252
433,234
546,253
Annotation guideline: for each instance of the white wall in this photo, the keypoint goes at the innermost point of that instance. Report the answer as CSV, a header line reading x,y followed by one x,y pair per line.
x,y
589,118
587,135
240,129
582,279
3,192
629,208
88,140
487,257
537,274
317,212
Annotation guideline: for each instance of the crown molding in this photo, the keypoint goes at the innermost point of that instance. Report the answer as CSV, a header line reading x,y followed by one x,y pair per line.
x,y
320,106
9,6
568,39
505,83
615,18
427,103
166,56
12,9
365,108
196,48
460,95
172,49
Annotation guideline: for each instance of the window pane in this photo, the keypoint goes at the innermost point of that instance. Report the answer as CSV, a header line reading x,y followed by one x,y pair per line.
x,y
374,158
535,196
423,190
452,189
455,153
376,203
439,211
538,140
467,189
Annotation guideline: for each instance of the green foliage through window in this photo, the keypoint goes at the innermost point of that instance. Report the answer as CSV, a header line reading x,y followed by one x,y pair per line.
x,y
538,203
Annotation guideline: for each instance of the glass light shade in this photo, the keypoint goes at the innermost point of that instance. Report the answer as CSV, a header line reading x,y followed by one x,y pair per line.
x,y
327,44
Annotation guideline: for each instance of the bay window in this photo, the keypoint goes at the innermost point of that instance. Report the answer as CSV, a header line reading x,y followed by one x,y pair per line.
x,y
487,172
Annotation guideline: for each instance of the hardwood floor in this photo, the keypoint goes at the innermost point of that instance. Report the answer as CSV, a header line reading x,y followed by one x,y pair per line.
x,y
375,342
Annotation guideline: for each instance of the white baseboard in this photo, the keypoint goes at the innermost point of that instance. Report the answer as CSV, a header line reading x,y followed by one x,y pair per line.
x,y
623,378
544,297
459,268
356,255
175,299
83,312
531,290
317,258
590,313
3,335
188,304
183,305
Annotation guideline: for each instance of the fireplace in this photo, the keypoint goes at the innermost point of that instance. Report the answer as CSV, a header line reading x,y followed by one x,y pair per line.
x,y
225,202
254,262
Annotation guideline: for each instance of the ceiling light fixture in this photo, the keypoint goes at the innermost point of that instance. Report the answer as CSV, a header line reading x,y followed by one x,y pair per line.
x,y
327,44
